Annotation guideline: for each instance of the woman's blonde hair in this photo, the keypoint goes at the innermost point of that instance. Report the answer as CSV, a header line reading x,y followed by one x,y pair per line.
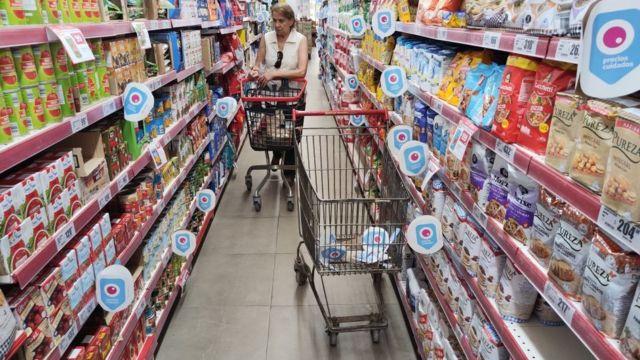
x,y
285,10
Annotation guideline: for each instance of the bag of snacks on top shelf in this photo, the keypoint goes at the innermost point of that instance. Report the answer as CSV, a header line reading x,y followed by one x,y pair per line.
x,y
515,89
453,81
621,186
610,279
490,266
482,159
434,11
516,297
511,15
630,337
578,10
497,199
546,314
522,199
547,17
568,114
478,11
570,249
545,226
551,77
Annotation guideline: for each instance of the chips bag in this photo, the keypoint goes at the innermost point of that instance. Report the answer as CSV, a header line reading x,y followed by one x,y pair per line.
x,y
453,82
480,105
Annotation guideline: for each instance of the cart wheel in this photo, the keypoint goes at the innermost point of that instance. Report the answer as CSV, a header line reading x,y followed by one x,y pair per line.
x,y
257,203
290,205
375,336
333,339
248,181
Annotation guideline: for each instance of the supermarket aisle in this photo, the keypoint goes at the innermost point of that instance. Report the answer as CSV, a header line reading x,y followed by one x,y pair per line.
x,y
242,301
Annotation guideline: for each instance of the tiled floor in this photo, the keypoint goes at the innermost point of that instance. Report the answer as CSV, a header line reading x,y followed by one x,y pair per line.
x,y
242,301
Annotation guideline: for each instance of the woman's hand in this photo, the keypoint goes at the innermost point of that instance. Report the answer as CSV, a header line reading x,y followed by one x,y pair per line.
x,y
266,77
253,74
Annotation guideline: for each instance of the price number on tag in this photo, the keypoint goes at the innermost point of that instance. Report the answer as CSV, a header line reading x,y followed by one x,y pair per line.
x,y
627,232
80,122
67,233
109,108
442,33
122,181
104,198
491,40
568,50
438,105
480,216
507,151
525,44
83,316
153,25
66,340
140,308
559,303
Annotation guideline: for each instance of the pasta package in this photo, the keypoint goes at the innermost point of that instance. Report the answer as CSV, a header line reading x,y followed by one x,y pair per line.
x,y
497,198
480,94
551,77
610,279
516,297
545,226
568,114
570,249
522,199
515,89
478,11
621,185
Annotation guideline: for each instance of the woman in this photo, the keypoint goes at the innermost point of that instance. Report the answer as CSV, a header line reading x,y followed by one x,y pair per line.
x,y
282,55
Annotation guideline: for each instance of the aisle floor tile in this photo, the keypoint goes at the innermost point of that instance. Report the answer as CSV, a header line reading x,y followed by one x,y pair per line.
x,y
288,234
237,235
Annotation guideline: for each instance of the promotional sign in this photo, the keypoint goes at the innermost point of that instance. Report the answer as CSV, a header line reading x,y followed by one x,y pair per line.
x,y
413,158
143,35
73,42
461,138
432,168
334,253
260,17
394,81
384,22
375,236
183,243
138,101
424,235
352,82
225,107
114,288
157,154
357,25
357,120
205,200
398,136
610,61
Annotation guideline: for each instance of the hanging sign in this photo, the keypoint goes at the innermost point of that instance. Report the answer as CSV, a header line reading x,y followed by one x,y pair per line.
x,y
143,35
73,42
225,107
334,253
157,154
114,288
352,82
398,136
357,25
610,60
138,101
183,243
432,168
384,22
424,235
375,236
394,81
461,138
260,17
205,200
413,158
357,120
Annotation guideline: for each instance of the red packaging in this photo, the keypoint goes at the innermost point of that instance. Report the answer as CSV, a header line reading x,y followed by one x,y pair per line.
x,y
28,307
64,160
103,340
515,89
51,289
61,322
120,236
76,353
93,353
82,247
551,77
27,190
40,343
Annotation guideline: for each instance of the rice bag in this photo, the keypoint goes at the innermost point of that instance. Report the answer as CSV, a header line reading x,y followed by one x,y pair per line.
x,y
522,199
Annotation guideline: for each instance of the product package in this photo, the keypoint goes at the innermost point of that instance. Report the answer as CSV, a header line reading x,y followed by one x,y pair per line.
x,y
522,199
482,159
497,199
568,114
516,297
545,226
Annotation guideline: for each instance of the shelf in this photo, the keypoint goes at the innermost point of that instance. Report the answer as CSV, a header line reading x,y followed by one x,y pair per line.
x,y
231,29
337,31
30,145
564,49
400,285
36,262
186,22
188,72
211,24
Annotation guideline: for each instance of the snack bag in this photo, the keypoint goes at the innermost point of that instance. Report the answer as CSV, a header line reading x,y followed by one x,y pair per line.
x,y
547,17
473,90
515,89
551,77
522,199
545,225
497,199
568,113
578,10
425,8
453,83
480,106
516,297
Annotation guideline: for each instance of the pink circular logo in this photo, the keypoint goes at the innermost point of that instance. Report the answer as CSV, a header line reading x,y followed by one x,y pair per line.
x,y
112,290
402,137
376,239
425,233
393,79
614,37
384,19
414,156
182,240
135,98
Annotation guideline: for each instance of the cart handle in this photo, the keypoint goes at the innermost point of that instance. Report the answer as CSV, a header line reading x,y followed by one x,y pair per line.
x,y
297,113
274,98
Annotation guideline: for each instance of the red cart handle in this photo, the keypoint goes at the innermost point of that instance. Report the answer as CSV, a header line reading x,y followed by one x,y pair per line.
x,y
297,113
286,99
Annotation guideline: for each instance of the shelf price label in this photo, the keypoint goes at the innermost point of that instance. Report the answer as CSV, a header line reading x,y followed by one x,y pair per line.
x,y
559,303
442,33
140,308
109,108
79,122
480,216
626,232
66,340
525,44
143,35
568,50
437,105
507,151
67,233
491,40
104,198
123,180
73,42
83,315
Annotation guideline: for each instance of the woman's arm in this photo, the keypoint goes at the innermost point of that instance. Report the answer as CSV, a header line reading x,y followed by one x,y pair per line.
x,y
300,72
262,52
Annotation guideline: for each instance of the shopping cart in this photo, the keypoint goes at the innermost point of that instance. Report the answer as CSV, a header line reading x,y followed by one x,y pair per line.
x,y
352,206
271,127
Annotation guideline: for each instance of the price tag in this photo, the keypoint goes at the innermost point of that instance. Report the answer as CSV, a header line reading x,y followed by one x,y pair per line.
x,y
123,180
157,154
84,314
442,33
109,108
507,151
140,308
559,303
456,189
491,40
153,25
432,168
568,50
165,260
626,232
461,138
80,122
438,105
73,41
68,338
157,84
525,44
479,215
67,233
104,198
143,35
458,333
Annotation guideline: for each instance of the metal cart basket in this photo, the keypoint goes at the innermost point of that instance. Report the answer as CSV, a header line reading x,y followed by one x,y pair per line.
x,y
271,126
352,207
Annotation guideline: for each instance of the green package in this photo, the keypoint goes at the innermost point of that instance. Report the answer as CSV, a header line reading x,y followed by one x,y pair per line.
x,y
65,96
8,73
103,78
35,107
51,12
20,122
60,60
25,63
5,124
83,88
12,12
93,81
51,102
44,62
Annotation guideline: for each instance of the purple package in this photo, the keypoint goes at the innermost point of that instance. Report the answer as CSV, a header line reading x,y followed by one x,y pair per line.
x,y
497,200
521,208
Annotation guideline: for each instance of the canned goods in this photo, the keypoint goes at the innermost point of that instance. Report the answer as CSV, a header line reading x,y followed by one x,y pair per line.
x,y
65,97
20,121
12,12
95,8
51,101
5,124
75,10
60,61
75,90
8,74
32,11
103,77
83,89
87,12
35,107
93,82
44,62
51,11
25,63
98,51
